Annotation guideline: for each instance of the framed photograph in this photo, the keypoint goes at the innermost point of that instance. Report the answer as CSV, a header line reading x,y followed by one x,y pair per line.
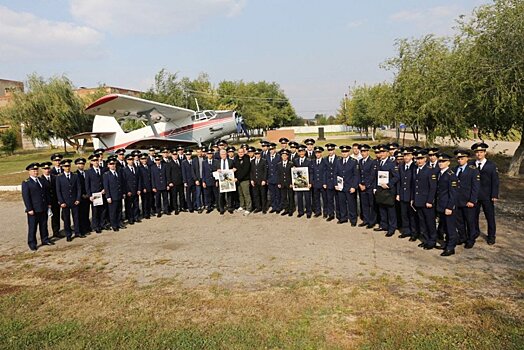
x,y
382,177
340,183
226,181
97,199
300,178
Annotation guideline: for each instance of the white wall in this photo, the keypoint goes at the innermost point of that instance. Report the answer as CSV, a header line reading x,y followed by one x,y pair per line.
x,y
314,129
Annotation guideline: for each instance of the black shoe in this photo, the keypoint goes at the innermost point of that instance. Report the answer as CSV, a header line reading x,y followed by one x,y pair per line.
x,y
201,210
257,210
362,224
230,211
404,236
264,212
379,229
284,213
369,227
331,218
300,215
80,236
317,215
490,240
469,245
325,216
272,211
309,216
341,221
222,212
278,211
421,245
290,214
69,239
428,247
168,213
138,220
33,249
448,252
48,243
353,224
131,222
412,238
98,231
159,215
440,247
390,234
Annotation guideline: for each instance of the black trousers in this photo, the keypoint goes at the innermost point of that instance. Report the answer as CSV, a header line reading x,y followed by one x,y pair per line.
x,y
275,197
224,201
191,197
132,207
83,215
427,224
55,219
348,206
146,199
466,225
287,199
332,205
447,224
304,202
369,214
259,197
66,217
210,196
319,198
408,218
161,201
98,215
488,207
176,199
34,222
115,212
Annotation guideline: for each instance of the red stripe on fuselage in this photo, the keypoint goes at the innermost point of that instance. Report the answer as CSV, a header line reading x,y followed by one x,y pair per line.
x,y
101,101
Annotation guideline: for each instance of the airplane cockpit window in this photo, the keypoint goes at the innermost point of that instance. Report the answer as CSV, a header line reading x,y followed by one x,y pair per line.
x,y
209,114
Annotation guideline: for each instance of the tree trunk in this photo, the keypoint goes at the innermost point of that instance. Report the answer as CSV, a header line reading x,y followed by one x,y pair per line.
x,y
518,158
373,130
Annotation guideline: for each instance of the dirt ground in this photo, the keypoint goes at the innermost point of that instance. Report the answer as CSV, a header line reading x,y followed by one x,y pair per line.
x,y
256,251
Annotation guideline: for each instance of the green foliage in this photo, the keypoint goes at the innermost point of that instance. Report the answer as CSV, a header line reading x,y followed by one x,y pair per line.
x,y
8,139
262,104
49,108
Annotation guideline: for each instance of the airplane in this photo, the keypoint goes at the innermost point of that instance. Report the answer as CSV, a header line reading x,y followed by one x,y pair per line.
x,y
167,125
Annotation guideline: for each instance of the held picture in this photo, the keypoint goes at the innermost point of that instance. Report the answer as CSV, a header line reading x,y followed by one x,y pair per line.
x,y
226,181
300,178
382,177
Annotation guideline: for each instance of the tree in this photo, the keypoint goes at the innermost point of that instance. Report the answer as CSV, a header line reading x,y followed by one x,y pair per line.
x,y
49,109
492,45
8,139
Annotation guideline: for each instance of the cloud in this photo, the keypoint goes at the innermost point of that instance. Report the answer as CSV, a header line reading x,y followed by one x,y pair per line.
x,y
26,36
438,20
152,17
356,24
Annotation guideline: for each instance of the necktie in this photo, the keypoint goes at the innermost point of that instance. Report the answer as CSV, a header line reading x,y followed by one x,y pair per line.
x,y
48,178
133,170
331,160
459,172
284,164
114,173
418,169
272,158
223,164
300,162
318,162
38,182
478,165
382,163
189,162
256,162
407,167
363,162
345,159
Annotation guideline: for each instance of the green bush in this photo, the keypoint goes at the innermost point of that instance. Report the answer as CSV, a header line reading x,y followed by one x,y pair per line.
x,y
8,139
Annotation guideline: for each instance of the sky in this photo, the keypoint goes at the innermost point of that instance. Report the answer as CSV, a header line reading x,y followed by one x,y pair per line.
x,y
315,50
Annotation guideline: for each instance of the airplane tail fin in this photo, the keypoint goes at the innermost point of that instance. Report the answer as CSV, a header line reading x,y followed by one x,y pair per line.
x,y
109,125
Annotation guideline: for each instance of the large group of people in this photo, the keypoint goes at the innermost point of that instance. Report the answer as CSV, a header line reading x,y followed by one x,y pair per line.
x,y
409,189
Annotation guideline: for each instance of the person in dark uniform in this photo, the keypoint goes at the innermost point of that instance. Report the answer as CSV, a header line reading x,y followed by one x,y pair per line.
x,y
388,216
69,194
265,149
283,142
446,203
404,193
50,180
94,184
131,188
36,201
83,207
209,182
467,195
272,179
56,158
198,162
120,159
146,188
423,200
190,180
303,197
293,149
99,152
160,184
318,182
114,192
285,186
347,169
176,183
489,190
310,152
151,156
433,158
258,177
392,148
368,180
224,199
332,205
221,146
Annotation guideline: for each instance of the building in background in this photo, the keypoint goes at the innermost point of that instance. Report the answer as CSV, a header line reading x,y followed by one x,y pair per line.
x,y
84,91
7,87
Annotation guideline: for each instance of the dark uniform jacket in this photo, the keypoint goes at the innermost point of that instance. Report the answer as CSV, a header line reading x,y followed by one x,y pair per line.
x,y
188,172
145,178
404,186
258,173
392,168
349,172
489,181
50,186
319,173
243,166
174,172
131,181
68,191
207,173
446,191
272,176
368,173
35,198
305,163
331,177
284,174
113,185
159,177
424,186
93,181
468,185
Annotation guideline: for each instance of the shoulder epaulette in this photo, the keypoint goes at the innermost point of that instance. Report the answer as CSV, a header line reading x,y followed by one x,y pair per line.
x,y
472,167
450,172
26,180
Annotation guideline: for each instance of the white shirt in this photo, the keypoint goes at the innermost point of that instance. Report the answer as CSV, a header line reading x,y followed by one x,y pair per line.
x,y
482,163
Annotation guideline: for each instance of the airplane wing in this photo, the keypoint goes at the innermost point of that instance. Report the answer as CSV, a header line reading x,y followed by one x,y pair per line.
x,y
157,142
123,106
92,134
